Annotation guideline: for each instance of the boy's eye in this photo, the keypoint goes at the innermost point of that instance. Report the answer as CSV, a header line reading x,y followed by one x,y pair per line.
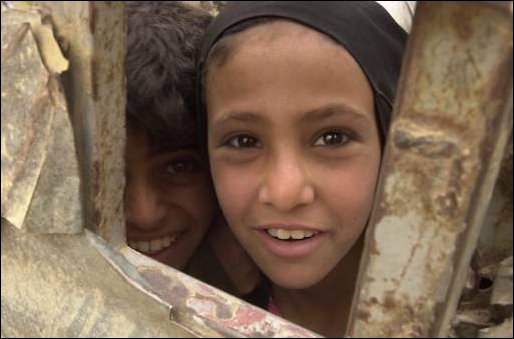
x,y
180,167
332,138
243,141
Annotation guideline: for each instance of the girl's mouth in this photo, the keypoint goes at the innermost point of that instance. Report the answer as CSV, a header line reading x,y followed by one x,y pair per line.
x,y
290,243
283,234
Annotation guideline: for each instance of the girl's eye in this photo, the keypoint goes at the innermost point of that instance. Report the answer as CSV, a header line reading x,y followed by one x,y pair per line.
x,y
332,138
243,141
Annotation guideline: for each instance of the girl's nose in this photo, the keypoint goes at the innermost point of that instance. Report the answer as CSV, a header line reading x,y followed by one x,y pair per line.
x,y
144,208
286,184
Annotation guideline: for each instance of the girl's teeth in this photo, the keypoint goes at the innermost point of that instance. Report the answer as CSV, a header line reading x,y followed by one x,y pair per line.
x,y
287,234
297,234
283,234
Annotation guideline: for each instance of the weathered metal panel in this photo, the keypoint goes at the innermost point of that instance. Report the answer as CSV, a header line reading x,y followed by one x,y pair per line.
x,y
36,131
56,285
452,122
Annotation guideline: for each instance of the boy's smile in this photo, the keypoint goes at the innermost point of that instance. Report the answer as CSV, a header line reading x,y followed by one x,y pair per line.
x,y
294,149
155,245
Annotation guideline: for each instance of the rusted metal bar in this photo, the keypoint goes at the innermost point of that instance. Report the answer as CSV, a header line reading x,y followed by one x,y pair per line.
x,y
453,118
93,36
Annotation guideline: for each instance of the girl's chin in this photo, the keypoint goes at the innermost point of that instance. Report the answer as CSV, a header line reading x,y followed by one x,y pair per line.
x,y
294,281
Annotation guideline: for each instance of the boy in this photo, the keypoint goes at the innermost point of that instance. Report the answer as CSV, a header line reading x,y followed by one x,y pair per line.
x,y
169,200
170,203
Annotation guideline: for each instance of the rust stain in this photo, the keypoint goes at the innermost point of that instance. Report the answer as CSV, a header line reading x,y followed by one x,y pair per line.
x,y
403,319
92,16
94,78
15,42
389,302
428,145
172,291
37,118
363,314
244,315
462,22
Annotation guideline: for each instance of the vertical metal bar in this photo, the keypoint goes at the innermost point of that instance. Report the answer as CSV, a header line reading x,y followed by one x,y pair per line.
x,y
93,35
452,122
107,24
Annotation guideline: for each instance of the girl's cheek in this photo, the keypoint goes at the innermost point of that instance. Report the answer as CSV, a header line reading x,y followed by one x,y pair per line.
x,y
233,188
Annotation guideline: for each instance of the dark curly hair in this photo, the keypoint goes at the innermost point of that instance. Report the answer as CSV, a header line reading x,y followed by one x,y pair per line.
x,y
162,44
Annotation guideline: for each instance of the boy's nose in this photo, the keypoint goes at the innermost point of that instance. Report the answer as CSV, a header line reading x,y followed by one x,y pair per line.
x,y
143,206
286,184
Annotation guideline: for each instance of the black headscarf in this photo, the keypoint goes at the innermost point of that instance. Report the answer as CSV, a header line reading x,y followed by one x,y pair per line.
x,y
364,28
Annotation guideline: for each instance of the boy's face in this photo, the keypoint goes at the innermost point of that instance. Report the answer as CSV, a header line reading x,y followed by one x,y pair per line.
x,y
294,150
169,200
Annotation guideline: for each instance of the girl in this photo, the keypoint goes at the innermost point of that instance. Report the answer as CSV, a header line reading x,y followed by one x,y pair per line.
x,y
296,100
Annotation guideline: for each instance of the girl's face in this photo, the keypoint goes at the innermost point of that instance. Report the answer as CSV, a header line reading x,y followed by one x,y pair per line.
x,y
294,149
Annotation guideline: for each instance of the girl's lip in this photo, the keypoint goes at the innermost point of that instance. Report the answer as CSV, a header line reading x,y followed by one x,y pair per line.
x,y
290,226
290,249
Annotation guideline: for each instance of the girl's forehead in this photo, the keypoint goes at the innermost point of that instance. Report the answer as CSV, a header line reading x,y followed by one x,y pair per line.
x,y
282,30
296,41
284,79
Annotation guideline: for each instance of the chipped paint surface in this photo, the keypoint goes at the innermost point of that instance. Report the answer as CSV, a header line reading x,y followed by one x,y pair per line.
x,y
208,311
452,122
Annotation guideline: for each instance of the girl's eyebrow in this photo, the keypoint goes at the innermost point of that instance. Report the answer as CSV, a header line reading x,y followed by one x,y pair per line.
x,y
316,114
331,110
247,117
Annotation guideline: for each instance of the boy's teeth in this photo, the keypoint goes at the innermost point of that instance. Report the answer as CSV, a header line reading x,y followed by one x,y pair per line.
x,y
283,234
155,245
143,246
149,247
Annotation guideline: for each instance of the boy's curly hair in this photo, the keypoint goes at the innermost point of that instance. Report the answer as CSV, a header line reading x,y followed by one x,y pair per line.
x,y
162,43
